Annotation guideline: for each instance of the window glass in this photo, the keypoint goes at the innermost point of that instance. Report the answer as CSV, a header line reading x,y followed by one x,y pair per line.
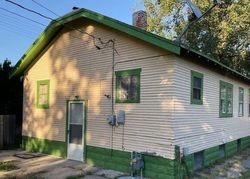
x,y
43,94
226,99
196,87
128,86
241,101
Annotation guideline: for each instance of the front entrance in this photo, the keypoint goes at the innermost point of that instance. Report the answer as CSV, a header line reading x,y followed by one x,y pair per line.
x,y
75,130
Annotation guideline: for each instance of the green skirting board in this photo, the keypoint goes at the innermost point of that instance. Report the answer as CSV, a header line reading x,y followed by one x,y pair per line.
x,y
56,148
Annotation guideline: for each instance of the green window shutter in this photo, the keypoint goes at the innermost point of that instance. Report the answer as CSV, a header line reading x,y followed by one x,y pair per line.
x,y
226,99
128,86
42,99
196,88
241,102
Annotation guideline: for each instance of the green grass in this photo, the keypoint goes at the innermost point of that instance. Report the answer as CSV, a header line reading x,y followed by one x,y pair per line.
x,y
7,166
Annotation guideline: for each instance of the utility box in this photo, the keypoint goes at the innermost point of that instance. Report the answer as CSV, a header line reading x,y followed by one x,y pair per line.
x,y
120,119
137,162
111,119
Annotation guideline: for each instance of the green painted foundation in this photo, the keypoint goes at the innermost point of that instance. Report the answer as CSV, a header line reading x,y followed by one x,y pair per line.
x,y
230,148
245,142
211,155
106,158
155,167
188,165
56,148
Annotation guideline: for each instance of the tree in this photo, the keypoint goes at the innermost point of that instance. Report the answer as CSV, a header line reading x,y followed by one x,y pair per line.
x,y
11,97
10,91
222,34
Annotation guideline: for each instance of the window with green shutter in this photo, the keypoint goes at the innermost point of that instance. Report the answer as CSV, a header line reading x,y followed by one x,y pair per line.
x,y
226,99
196,87
43,94
241,101
128,86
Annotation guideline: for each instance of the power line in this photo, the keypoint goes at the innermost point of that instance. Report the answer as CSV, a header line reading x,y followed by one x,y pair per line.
x,y
30,10
11,12
104,44
39,4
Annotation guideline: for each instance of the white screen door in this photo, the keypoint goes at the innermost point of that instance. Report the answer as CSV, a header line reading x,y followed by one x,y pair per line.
x,y
76,130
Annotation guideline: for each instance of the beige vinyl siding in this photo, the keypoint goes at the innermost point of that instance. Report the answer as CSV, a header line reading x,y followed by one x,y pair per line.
x,y
75,67
197,127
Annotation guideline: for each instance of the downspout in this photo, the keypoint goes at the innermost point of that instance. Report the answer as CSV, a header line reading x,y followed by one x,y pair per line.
x,y
112,91
113,79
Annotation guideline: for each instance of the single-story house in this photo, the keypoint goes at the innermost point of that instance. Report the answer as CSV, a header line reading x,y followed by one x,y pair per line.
x,y
96,89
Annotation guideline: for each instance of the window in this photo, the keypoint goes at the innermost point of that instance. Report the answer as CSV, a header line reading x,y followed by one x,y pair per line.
x,y
241,101
226,99
248,102
196,88
128,86
43,94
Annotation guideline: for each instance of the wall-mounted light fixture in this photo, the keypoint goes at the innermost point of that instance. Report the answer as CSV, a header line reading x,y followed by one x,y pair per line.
x,y
107,96
77,97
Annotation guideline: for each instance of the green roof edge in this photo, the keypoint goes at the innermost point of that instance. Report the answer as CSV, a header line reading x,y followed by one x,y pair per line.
x,y
55,26
47,35
216,62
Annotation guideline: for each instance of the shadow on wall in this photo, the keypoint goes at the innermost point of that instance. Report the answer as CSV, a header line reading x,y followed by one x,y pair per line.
x,y
75,68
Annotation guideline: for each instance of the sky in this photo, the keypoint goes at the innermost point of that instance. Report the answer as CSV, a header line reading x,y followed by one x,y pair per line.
x,y
18,33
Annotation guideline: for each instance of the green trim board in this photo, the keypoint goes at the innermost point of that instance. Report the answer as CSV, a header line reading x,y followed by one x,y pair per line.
x,y
41,92
52,147
128,73
195,77
226,99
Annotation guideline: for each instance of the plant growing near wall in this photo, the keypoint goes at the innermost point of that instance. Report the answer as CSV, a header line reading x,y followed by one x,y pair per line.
x,y
7,166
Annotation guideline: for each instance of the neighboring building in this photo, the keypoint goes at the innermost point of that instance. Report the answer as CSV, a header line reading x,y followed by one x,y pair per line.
x,y
176,100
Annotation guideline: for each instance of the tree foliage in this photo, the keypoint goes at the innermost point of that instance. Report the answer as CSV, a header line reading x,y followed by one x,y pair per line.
x,y
223,34
10,91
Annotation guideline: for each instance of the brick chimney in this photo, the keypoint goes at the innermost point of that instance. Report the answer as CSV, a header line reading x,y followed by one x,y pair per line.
x,y
140,19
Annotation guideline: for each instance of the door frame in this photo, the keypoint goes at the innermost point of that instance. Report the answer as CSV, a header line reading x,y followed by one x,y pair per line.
x,y
84,126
